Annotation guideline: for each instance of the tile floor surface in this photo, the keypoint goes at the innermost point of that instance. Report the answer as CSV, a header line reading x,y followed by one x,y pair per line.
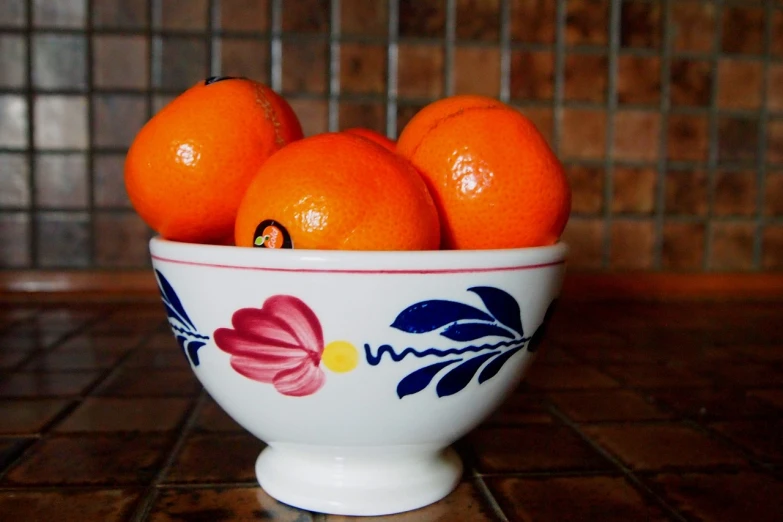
x,y
632,412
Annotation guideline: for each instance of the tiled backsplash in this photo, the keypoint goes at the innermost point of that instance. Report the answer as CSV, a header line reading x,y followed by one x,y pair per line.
x,y
668,114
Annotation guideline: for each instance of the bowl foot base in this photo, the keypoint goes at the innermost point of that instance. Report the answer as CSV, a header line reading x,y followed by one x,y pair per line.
x,y
363,486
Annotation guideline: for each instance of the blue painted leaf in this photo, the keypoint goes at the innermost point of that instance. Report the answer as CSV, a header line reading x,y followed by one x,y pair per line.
x,y
182,341
427,316
170,297
416,381
540,333
473,331
193,347
502,305
459,377
491,369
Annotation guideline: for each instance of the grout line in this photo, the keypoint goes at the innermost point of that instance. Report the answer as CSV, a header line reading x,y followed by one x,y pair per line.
x,y
276,45
211,41
559,80
148,498
505,51
712,159
611,108
761,159
626,471
392,69
333,74
29,93
490,498
90,158
449,39
663,149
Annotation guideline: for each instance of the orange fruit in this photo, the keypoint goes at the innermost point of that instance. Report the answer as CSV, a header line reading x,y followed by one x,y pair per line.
x,y
372,135
189,165
337,191
494,178
431,115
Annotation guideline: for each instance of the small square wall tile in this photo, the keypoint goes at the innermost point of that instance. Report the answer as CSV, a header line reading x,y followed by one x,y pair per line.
x,y
632,245
659,447
306,16
568,377
109,505
59,61
587,188
212,418
521,408
12,12
633,190
312,114
691,82
243,57
368,115
587,22
121,240
710,404
305,66
533,21
49,384
15,181
29,417
13,121
693,26
737,139
117,119
183,15
115,460
743,30
686,192
583,134
688,137
640,24
120,62
63,239
683,246
639,80
607,405
183,63
422,18
636,135
732,246
15,238
536,447
127,14
96,414
532,75
61,181
358,17
150,383
550,499
585,239
60,122
108,181
66,14
13,61
775,141
85,358
362,68
477,70
541,117
478,20
244,15
585,77
774,91
743,495
739,84
216,458
735,193
772,247
420,70
179,504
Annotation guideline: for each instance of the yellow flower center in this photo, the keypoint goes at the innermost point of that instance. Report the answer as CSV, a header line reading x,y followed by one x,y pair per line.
x,y
340,356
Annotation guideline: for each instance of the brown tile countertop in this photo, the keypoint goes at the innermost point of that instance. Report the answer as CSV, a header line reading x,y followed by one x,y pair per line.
x,y
632,412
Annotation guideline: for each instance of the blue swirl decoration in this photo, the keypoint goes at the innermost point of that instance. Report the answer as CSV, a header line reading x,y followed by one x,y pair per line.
x,y
186,333
500,321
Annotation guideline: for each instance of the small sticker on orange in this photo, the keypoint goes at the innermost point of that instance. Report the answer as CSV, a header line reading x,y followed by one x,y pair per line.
x,y
271,234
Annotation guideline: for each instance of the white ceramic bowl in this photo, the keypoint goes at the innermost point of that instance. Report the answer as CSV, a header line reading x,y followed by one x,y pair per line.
x,y
358,369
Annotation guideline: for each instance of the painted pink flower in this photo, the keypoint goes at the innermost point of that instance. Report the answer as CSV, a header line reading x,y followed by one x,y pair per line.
x,y
280,343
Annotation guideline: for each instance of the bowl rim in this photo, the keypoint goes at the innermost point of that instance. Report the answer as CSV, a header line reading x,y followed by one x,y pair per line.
x,y
353,261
